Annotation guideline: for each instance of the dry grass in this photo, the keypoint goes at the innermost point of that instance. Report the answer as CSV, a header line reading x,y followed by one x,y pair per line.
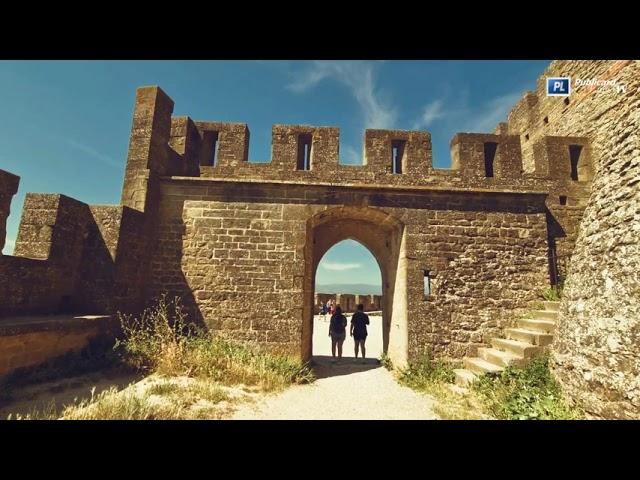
x,y
162,341
193,374
456,406
435,377
156,399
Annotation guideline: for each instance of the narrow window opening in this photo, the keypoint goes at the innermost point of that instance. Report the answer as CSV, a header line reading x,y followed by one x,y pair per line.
x,y
489,157
304,152
566,101
563,200
211,153
554,276
546,120
397,156
574,156
526,136
427,283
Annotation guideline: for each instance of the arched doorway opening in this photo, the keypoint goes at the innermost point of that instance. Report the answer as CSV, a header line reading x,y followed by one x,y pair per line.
x,y
384,236
348,274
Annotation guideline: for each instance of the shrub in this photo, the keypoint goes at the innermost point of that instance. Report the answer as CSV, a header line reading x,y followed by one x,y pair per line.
x,y
386,362
163,341
427,371
524,393
552,294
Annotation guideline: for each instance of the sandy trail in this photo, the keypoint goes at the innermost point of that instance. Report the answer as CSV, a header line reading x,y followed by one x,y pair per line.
x,y
349,390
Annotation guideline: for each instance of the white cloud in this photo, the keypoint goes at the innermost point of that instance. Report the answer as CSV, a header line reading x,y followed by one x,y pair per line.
x,y
106,159
460,115
431,112
340,266
359,77
493,112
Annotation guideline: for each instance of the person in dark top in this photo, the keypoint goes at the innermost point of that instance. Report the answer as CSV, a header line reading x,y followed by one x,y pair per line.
x,y
359,322
337,332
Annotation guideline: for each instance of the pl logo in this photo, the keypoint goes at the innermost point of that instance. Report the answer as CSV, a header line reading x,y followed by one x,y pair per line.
x,y
558,86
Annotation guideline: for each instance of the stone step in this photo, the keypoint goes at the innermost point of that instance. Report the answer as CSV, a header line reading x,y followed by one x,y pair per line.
x,y
480,366
464,377
499,357
524,349
529,336
553,306
543,326
544,314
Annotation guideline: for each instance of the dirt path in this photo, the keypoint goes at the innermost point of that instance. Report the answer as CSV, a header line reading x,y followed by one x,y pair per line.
x,y
348,390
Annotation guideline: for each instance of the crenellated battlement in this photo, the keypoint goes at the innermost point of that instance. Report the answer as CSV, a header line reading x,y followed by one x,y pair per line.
x,y
69,256
87,251
303,153
476,155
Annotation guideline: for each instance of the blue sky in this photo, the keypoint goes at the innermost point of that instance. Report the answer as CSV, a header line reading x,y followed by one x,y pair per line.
x,y
348,262
64,125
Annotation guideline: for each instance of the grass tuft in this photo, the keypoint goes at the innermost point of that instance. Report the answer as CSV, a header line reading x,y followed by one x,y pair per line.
x,y
162,341
525,394
426,371
435,377
386,362
552,294
125,405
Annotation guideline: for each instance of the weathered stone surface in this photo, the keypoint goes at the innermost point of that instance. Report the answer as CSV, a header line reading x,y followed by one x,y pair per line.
x,y
597,342
29,341
240,241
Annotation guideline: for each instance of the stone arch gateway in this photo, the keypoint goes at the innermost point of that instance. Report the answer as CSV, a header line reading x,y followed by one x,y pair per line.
x,y
234,239
381,233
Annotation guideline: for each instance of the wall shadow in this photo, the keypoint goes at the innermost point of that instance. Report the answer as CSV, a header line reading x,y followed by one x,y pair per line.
x,y
323,367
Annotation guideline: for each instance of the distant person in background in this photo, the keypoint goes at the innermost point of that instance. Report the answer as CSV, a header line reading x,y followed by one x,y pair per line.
x,y
323,311
331,308
337,332
359,322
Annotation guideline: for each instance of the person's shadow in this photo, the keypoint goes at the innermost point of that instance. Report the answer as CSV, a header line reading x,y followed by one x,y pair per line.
x,y
323,366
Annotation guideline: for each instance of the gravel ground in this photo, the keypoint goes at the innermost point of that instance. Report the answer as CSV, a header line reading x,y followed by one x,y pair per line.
x,y
348,390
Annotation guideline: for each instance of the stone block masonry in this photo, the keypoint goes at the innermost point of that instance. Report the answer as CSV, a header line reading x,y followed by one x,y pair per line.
x,y
29,341
237,257
71,257
459,249
349,302
597,342
235,240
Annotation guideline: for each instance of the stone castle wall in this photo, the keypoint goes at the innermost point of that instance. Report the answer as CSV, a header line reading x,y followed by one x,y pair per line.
x,y
236,257
349,302
239,241
71,257
597,342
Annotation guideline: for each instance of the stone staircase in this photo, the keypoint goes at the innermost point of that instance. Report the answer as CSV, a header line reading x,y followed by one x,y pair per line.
x,y
522,343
